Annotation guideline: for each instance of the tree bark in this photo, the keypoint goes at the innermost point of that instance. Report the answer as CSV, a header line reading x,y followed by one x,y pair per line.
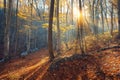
x,y
16,32
102,16
112,21
118,18
72,12
80,29
50,40
7,30
58,29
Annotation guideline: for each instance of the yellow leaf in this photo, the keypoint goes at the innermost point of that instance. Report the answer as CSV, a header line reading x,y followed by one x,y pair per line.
x,y
45,25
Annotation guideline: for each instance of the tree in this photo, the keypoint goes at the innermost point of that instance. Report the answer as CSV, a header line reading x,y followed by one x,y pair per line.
x,y
50,41
80,28
5,12
7,29
72,11
118,18
16,32
58,28
93,16
101,5
111,20
29,30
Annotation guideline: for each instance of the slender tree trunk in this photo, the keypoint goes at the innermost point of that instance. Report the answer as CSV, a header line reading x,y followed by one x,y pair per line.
x,y
16,33
58,29
7,30
31,21
114,16
93,17
67,17
50,40
106,14
118,18
111,21
29,30
28,40
80,29
72,11
43,8
5,13
101,1
97,18
5,22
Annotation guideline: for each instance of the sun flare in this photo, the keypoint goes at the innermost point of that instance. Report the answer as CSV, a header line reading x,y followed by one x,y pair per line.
x,y
76,12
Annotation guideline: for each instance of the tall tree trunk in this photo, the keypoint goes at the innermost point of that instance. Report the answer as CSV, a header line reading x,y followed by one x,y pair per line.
x,y
67,16
5,12
16,32
29,30
80,29
118,18
31,21
97,18
58,29
111,21
93,17
7,30
50,40
5,21
101,5
72,12
43,8
106,14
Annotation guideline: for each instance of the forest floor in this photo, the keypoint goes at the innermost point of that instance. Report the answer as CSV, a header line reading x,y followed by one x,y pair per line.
x,y
24,68
100,63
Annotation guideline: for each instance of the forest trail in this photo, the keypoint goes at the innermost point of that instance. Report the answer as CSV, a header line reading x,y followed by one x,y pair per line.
x,y
35,66
37,73
25,68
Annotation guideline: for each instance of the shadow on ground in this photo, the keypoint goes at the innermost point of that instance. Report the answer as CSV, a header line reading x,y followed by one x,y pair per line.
x,y
77,67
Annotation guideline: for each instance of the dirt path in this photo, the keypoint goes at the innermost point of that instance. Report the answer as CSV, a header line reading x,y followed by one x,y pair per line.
x,y
34,66
38,73
19,69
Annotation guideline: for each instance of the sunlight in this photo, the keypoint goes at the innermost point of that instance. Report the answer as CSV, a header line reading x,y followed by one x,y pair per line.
x,y
79,15
24,70
76,12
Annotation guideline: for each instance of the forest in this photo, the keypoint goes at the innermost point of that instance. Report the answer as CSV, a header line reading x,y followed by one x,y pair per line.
x,y
59,39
